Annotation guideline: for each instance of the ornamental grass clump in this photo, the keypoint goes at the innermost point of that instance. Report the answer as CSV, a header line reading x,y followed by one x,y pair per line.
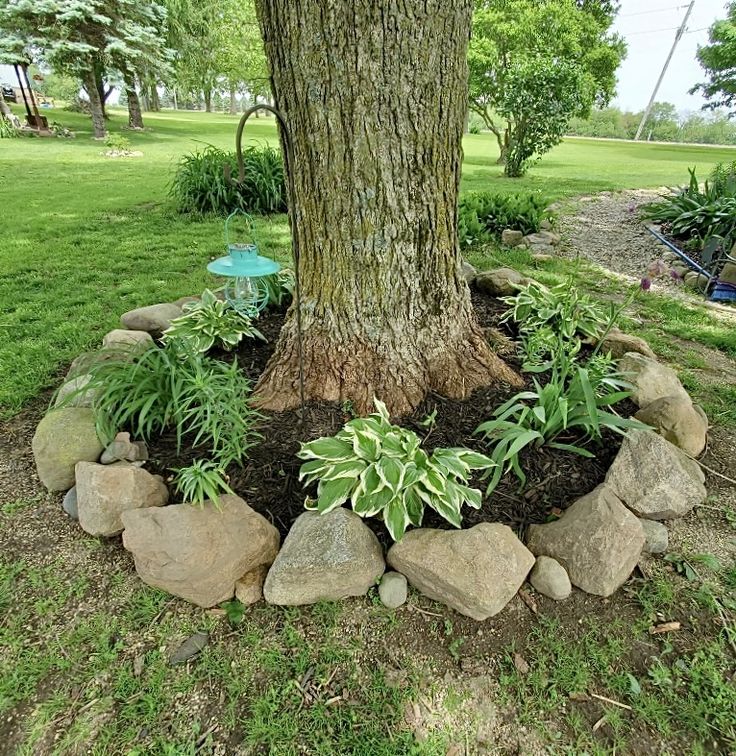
x,y
572,409
382,471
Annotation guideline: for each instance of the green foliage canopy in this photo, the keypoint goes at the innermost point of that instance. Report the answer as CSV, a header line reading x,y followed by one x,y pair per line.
x,y
719,61
536,63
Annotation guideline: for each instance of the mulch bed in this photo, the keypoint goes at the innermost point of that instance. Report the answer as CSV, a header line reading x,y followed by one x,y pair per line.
x,y
268,481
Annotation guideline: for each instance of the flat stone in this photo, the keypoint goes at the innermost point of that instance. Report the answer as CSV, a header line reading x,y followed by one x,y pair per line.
x,y
128,340
104,492
545,238
597,540
696,280
84,363
650,379
324,558
155,318
550,578
676,419
475,572
511,238
64,437
199,553
619,343
122,449
393,590
502,282
69,505
72,393
657,537
655,479
543,254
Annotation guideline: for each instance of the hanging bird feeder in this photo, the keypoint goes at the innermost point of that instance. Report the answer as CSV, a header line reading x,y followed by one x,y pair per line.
x,y
245,270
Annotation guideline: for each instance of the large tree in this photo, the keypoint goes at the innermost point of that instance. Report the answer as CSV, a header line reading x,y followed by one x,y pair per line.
x,y
568,44
375,96
719,61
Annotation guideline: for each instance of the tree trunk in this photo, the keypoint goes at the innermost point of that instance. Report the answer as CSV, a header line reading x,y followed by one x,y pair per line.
x,y
155,99
135,117
233,102
208,99
376,166
6,113
95,104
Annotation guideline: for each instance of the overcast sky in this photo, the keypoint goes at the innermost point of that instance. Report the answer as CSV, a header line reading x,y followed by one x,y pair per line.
x,y
649,27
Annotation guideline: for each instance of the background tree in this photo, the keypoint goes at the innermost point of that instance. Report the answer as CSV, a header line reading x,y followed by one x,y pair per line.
x,y
570,44
719,61
375,95
86,38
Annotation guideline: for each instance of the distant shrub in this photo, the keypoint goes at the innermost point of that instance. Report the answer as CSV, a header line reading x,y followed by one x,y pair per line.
x,y
117,143
484,215
200,186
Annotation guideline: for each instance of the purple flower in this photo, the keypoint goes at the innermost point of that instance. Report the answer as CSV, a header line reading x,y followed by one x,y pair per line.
x,y
676,275
632,207
657,268
646,284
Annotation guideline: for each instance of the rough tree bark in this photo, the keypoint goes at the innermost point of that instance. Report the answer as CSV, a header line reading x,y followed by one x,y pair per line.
x,y
375,96
95,104
135,117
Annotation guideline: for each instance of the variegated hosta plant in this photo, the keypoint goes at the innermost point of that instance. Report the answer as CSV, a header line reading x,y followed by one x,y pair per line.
x,y
382,470
210,321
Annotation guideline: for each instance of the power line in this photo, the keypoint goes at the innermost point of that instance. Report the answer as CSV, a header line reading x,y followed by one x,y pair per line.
x,y
658,10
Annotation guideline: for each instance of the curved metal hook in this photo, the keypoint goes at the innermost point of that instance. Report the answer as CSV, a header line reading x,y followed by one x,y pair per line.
x,y
286,138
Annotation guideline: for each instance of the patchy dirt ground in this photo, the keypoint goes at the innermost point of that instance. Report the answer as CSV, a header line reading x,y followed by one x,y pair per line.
x,y
84,646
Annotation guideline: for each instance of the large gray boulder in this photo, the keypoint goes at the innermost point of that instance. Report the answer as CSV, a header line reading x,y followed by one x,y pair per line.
x,y
619,344
597,540
542,238
511,237
104,492
155,318
655,479
64,437
651,380
73,394
658,538
199,553
475,572
501,282
324,558
679,421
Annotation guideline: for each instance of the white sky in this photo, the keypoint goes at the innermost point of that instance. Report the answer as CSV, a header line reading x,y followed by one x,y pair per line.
x,y
649,27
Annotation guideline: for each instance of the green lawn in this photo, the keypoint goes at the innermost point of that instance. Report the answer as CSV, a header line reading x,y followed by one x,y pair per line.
x,y
85,237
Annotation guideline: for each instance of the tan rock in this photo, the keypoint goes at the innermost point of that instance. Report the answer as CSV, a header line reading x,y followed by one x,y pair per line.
x,y
155,318
324,558
501,282
597,540
200,553
550,579
619,343
475,572
676,419
72,393
728,274
511,237
249,589
64,437
104,492
651,380
654,478
127,340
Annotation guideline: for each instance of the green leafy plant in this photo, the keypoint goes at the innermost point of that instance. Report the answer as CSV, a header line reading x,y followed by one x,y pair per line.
x,y
7,129
117,143
151,392
543,315
570,410
382,470
200,185
209,322
202,481
280,287
482,216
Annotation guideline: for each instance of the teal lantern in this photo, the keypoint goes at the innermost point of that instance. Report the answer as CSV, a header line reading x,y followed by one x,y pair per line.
x,y
245,270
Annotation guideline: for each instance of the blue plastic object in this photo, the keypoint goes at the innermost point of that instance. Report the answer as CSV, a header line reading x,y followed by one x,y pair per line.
x,y
245,270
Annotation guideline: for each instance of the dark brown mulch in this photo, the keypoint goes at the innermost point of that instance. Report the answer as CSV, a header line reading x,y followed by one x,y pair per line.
x,y
269,478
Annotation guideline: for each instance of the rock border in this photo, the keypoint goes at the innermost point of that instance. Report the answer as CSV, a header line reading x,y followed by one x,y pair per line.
x,y
212,554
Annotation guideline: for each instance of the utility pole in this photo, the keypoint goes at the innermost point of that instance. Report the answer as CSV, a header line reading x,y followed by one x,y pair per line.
x,y
678,37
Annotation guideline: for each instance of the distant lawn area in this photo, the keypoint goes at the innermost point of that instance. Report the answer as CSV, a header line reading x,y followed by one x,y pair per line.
x,y
85,237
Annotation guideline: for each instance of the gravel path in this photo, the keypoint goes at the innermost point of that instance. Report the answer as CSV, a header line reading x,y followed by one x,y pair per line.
x,y
607,230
